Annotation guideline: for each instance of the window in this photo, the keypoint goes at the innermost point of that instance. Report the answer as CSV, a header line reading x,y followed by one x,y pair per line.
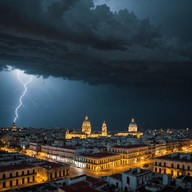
x,y
16,174
155,169
17,182
4,184
183,167
11,183
172,165
164,171
128,181
28,179
33,171
23,181
22,172
159,163
11,175
27,172
33,178
188,168
177,166
171,172
4,176
164,164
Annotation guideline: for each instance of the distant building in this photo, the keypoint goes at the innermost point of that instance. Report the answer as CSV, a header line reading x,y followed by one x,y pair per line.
x,y
87,131
14,127
132,130
132,126
175,164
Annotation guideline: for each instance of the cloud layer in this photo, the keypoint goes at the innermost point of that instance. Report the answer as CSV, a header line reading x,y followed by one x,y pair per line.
x,y
74,39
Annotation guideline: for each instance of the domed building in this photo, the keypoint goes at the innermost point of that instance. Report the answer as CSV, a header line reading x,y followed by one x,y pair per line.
x,y
132,126
86,126
87,131
132,130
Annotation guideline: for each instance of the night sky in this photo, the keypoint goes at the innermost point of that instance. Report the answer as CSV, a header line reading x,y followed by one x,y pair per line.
x,y
110,59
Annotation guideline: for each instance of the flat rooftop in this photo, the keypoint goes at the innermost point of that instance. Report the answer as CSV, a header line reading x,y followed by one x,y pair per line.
x,y
16,167
99,155
128,146
50,165
177,158
136,171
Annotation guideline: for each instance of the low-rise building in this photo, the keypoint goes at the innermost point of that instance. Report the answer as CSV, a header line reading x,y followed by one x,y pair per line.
x,y
98,161
175,164
14,176
47,171
131,153
135,178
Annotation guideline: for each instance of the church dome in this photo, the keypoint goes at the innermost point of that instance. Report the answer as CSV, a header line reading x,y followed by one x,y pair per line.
x,y
86,121
132,126
86,125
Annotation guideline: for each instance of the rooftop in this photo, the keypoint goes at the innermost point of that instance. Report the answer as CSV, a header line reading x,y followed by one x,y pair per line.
x,y
99,155
136,171
177,157
50,165
117,176
128,146
82,186
16,167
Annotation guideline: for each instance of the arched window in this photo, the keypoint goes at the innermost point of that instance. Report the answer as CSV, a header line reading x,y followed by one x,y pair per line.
x,y
4,184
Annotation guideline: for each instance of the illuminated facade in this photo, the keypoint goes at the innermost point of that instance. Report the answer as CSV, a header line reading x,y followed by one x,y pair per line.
x,y
14,176
98,161
86,126
87,131
132,153
48,171
132,126
104,129
175,164
132,130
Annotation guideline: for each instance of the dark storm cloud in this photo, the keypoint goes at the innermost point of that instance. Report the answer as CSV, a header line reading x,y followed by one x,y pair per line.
x,y
75,40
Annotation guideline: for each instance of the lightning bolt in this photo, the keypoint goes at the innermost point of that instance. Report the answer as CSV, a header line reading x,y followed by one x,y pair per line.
x,y
23,94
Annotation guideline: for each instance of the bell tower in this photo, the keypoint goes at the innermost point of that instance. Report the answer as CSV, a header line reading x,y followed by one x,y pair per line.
x,y
104,129
14,127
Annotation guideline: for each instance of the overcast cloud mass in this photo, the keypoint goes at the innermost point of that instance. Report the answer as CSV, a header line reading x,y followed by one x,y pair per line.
x,y
75,39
